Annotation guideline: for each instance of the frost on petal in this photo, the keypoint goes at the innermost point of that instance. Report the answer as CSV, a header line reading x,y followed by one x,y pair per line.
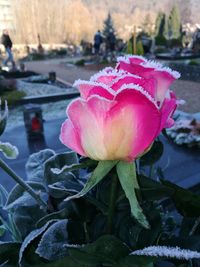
x,y
89,88
106,76
169,252
164,76
149,85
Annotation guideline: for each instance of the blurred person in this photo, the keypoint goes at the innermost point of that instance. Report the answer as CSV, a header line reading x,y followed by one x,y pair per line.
x,y
7,43
97,41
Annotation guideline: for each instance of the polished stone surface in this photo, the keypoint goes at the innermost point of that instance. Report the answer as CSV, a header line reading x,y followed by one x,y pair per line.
x,y
181,164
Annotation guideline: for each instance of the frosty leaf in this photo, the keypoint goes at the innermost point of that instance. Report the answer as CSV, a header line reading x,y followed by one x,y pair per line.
x,y
169,252
9,151
30,238
3,118
35,164
51,245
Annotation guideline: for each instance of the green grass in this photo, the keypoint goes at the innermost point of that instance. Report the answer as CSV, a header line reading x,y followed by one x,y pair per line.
x,y
12,97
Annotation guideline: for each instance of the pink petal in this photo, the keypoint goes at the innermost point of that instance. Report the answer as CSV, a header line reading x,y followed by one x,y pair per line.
x,y
106,76
119,129
70,138
142,120
164,80
167,110
163,76
136,59
88,118
148,84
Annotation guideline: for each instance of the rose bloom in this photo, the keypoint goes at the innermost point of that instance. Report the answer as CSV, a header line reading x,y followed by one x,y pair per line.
x,y
121,111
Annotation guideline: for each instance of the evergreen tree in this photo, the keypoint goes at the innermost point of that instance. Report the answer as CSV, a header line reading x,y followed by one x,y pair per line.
x,y
108,26
166,32
174,23
159,25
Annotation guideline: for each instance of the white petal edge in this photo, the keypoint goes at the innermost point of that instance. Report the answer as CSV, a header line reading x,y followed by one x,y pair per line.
x,y
124,76
159,67
103,72
127,57
79,82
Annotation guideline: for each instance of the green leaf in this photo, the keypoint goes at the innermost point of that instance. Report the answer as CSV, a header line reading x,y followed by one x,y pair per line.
x,y
186,202
152,235
102,169
68,261
8,150
30,238
127,176
25,210
52,245
105,251
25,218
153,190
69,186
18,192
61,214
3,195
3,118
9,252
35,164
135,261
2,230
153,155
58,162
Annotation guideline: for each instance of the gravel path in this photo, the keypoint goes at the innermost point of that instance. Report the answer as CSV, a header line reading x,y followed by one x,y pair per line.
x,y
190,92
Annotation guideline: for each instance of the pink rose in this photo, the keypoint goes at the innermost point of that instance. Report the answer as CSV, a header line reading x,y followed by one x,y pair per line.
x,y
121,111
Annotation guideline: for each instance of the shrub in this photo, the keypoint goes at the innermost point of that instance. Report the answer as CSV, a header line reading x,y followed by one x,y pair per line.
x,y
175,43
139,48
80,62
36,56
193,62
161,40
12,97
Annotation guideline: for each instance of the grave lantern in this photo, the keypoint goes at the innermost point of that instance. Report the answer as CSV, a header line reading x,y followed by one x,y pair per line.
x,y
33,121
52,77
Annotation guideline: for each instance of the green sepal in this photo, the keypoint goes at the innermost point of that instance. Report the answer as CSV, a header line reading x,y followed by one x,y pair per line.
x,y
128,179
98,174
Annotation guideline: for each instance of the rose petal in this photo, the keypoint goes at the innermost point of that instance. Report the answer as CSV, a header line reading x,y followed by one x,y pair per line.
x,y
145,118
167,110
88,88
148,84
105,127
148,69
70,138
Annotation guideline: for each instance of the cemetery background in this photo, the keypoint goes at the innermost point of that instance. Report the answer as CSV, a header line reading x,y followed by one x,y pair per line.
x,y
70,62
167,27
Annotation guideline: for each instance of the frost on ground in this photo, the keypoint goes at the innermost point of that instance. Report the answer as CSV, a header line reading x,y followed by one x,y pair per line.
x,y
50,111
39,89
186,130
